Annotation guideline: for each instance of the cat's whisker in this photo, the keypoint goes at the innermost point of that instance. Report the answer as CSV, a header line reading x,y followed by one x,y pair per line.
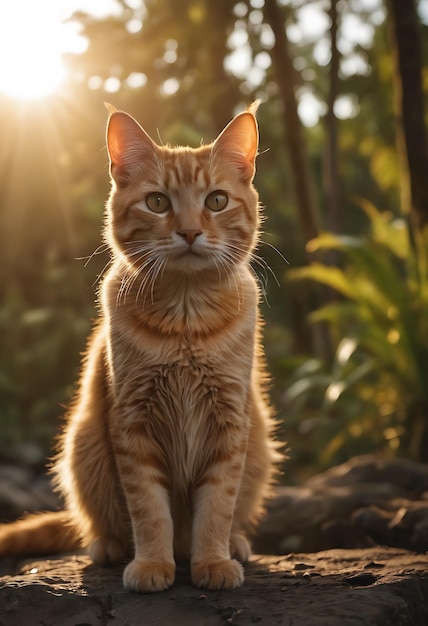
x,y
139,251
226,262
261,262
265,267
236,253
126,282
100,250
226,265
266,243
133,242
216,263
157,269
146,270
143,261
239,289
126,285
150,269
141,286
121,295
101,274
164,266
223,268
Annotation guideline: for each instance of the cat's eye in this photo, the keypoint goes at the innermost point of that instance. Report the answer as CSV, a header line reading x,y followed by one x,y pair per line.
x,y
158,202
216,201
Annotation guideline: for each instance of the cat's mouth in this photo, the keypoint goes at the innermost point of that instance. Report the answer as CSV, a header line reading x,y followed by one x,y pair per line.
x,y
190,251
191,259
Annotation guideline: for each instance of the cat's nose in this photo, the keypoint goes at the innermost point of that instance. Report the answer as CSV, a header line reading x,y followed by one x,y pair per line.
x,y
189,234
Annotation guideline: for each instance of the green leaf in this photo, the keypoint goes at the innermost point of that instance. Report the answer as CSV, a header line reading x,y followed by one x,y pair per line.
x,y
331,241
328,275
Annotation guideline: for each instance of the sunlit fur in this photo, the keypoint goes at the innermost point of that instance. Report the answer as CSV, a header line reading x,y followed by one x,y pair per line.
x,y
167,452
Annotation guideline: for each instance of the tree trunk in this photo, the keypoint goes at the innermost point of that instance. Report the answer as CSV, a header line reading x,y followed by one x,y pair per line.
x,y
407,52
299,161
331,169
304,188
404,30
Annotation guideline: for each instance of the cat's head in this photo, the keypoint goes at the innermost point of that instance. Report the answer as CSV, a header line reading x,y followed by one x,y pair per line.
x,y
182,209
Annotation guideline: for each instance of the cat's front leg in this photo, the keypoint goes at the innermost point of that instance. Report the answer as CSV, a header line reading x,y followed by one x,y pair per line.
x,y
215,499
144,484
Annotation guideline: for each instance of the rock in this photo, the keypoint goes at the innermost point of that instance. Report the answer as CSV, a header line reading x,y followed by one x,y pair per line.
x,y
24,485
21,491
404,525
334,588
367,501
25,453
405,474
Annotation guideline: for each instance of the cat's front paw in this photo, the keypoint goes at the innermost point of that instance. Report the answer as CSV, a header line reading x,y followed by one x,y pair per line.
x,y
108,549
148,576
224,574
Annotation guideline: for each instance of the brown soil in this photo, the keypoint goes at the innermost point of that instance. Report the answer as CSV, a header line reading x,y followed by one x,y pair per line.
x,y
376,586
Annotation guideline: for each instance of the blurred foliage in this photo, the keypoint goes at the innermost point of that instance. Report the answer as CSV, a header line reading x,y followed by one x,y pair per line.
x,y
374,394
177,67
39,352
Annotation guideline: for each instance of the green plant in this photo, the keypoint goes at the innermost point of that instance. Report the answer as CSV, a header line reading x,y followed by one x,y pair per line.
x,y
376,385
43,330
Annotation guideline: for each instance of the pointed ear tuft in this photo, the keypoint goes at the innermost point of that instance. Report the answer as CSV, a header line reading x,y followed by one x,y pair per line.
x,y
110,107
238,144
128,146
254,107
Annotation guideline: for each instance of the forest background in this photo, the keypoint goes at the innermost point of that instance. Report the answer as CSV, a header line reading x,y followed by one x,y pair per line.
x,y
342,174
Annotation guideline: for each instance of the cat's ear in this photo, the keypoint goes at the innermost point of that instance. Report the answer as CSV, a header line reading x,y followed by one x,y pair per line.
x,y
237,144
128,145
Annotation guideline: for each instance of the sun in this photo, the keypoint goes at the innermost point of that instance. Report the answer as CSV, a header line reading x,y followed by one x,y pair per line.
x,y
31,48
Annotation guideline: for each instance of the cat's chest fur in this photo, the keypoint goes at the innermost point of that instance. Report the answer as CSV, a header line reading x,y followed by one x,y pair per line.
x,y
179,379
180,368
201,326
186,406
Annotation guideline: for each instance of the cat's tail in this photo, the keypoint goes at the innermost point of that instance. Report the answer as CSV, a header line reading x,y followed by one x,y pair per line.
x,y
41,533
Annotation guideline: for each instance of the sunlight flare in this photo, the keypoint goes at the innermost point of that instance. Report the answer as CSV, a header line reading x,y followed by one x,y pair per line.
x,y
32,41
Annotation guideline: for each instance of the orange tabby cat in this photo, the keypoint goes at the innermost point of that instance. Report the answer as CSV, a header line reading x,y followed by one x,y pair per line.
x,y
167,451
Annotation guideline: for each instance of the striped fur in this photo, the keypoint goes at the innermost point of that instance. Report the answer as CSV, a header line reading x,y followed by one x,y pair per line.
x,y
167,451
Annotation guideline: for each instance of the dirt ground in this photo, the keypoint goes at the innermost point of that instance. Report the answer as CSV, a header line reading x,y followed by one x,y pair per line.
x,y
376,586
